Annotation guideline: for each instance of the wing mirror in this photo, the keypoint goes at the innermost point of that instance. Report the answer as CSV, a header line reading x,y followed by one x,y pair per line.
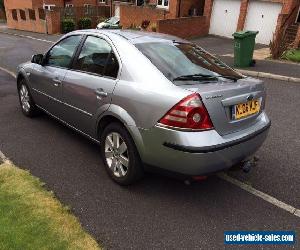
x,y
38,59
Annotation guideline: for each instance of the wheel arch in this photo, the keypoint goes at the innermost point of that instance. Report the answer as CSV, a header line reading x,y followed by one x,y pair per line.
x,y
117,114
21,76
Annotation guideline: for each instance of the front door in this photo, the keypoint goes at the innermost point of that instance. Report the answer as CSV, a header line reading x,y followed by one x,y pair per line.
x,y
47,79
89,85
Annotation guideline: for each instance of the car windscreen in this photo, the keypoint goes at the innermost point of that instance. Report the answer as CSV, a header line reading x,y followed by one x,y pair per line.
x,y
176,60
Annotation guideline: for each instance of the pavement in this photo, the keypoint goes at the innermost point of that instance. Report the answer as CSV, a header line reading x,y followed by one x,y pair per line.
x,y
158,212
223,48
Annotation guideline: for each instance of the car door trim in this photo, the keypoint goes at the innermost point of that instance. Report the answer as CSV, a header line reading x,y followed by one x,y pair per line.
x,y
64,103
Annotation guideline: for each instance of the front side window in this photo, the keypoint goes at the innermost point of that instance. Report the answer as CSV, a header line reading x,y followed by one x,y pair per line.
x,y
97,57
176,60
61,54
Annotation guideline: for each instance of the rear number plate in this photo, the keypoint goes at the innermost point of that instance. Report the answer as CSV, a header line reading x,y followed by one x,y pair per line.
x,y
242,110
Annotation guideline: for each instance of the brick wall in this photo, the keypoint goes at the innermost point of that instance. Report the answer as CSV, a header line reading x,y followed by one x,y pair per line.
x,y
2,14
173,9
185,27
37,25
53,22
130,14
207,11
243,14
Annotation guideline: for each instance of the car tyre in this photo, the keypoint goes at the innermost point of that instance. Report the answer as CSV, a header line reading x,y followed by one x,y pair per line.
x,y
120,156
27,104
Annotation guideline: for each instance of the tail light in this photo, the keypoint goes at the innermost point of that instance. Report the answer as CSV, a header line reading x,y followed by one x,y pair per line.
x,y
189,113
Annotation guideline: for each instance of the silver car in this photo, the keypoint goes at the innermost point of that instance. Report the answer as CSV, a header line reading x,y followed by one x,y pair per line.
x,y
152,101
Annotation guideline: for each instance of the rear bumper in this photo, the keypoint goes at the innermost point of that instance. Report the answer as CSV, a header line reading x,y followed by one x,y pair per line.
x,y
198,153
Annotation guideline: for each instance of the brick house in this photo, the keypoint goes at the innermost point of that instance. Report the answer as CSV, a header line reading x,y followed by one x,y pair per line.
x,y
191,18
44,16
184,18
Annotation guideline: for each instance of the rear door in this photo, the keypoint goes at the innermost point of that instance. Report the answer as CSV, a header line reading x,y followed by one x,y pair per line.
x,y
89,85
47,79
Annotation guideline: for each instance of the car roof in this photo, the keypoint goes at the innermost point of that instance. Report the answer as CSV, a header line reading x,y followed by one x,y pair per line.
x,y
135,36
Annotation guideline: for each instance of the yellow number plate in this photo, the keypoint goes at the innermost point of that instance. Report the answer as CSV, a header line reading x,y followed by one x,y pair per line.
x,y
245,109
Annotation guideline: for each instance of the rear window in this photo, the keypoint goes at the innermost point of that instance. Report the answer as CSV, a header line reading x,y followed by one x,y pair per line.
x,y
176,59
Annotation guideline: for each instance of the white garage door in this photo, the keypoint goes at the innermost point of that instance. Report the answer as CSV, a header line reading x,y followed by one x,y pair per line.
x,y
262,16
224,17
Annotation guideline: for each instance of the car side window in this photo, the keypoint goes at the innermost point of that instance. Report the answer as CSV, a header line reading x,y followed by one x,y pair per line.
x,y
97,57
61,54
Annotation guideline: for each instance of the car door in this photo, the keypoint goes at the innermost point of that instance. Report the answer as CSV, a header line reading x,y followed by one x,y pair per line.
x,y
89,85
47,78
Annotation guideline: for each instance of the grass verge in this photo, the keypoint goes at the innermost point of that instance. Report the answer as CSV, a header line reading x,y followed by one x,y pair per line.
x,y
292,55
32,218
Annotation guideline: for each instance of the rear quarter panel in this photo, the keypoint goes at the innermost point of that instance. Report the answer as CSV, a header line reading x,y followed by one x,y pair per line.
x,y
143,91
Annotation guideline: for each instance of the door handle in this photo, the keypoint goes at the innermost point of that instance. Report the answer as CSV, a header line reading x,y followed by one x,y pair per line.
x,y
56,81
101,93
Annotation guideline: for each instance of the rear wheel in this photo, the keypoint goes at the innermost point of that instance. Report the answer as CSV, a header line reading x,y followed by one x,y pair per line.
x,y
120,155
27,104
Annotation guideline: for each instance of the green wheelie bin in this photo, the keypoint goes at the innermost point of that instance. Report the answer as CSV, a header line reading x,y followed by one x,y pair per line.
x,y
244,42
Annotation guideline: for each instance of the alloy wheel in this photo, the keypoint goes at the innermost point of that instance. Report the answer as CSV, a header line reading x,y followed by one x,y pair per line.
x,y
116,154
24,97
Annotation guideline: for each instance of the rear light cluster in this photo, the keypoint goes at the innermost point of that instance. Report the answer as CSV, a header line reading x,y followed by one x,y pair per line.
x,y
189,113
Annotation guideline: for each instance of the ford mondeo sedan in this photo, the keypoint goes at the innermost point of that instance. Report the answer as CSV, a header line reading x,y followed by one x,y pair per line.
x,y
149,100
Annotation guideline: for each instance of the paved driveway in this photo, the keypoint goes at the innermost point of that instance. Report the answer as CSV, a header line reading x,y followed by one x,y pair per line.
x,y
158,212
219,45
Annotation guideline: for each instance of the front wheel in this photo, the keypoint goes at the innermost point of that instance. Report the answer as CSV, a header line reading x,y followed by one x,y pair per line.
x,y
119,154
27,105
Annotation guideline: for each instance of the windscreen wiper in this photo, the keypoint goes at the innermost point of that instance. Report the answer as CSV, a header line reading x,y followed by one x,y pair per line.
x,y
194,77
229,77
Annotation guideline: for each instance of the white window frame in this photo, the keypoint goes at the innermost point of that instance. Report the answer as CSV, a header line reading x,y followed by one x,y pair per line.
x,y
101,1
87,8
48,6
162,5
69,5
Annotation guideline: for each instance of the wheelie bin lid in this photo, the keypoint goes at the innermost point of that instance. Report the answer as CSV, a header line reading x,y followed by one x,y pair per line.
x,y
242,34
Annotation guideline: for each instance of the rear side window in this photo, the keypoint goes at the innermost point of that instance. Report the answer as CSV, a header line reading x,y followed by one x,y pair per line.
x,y
61,54
97,57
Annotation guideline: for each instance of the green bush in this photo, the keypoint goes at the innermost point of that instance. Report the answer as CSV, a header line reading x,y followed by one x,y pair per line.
x,y
68,25
85,23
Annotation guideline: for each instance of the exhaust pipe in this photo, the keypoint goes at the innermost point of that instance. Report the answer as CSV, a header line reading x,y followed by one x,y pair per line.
x,y
247,165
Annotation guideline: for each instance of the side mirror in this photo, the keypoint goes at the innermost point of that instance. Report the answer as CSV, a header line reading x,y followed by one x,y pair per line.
x,y
38,59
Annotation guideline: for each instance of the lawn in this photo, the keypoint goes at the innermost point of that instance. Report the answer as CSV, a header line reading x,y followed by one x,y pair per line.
x,y
32,218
